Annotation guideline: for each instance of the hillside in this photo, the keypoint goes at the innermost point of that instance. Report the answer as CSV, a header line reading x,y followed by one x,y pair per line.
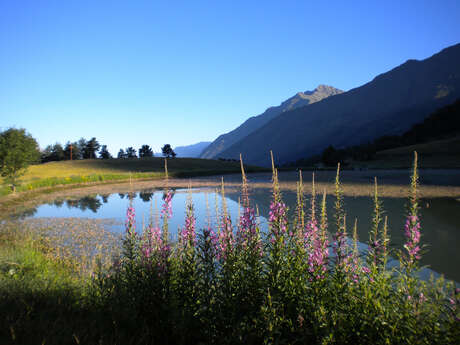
x,y
103,170
387,105
436,136
134,165
301,99
435,154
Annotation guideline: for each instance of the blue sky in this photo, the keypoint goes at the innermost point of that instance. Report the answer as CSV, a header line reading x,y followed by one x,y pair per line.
x,y
155,72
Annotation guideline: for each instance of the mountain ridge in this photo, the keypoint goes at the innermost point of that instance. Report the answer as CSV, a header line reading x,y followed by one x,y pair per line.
x,y
191,151
300,99
389,104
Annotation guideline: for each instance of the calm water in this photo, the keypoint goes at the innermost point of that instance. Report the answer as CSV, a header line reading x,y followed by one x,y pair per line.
x,y
440,217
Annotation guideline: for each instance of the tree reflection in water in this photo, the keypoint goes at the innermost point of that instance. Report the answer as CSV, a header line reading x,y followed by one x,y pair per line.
x,y
92,203
145,196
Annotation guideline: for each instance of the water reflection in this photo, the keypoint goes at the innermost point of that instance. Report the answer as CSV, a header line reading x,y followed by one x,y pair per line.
x,y
105,198
92,203
58,202
145,196
440,221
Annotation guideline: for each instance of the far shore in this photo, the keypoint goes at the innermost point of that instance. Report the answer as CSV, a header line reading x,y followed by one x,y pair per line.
x,y
392,183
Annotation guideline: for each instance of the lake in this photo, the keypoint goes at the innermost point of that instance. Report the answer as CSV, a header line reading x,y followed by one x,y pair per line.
x,y
440,216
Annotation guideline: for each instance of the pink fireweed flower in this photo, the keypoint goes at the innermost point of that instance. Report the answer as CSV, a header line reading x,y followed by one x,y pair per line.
x,y
366,270
311,233
154,251
355,267
376,251
188,233
412,234
146,252
317,251
153,239
166,210
225,241
130,240
278,218
214,239
247,235
130,221
152,242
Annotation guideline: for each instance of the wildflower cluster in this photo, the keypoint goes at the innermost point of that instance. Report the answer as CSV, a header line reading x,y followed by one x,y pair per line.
x,y
278,218
230,286
317,250
248,232
225,241
152,241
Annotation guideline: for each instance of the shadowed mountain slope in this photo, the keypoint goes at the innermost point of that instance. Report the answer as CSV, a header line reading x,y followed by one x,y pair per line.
x,y
387,105
301,99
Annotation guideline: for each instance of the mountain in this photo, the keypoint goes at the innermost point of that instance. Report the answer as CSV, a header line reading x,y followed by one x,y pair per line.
x,y
388,105
301,99
191,151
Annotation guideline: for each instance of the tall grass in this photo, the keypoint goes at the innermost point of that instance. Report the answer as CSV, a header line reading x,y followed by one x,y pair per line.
x,y
234,284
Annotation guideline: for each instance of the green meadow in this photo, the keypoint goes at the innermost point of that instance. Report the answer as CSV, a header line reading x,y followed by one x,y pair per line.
x,y
91,171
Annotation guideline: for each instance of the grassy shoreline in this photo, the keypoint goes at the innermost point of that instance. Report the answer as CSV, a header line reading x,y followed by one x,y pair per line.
x,y
57,177
48,178
44,294
354,185
95,170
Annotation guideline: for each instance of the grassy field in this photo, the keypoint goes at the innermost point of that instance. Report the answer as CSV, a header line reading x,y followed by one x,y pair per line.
x,y
97,171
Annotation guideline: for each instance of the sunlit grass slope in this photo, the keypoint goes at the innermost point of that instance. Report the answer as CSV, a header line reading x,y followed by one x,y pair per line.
x,y
97,170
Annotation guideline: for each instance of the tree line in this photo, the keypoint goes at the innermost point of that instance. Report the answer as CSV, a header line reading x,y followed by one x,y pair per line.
x,y
91,149
81,149
18,149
